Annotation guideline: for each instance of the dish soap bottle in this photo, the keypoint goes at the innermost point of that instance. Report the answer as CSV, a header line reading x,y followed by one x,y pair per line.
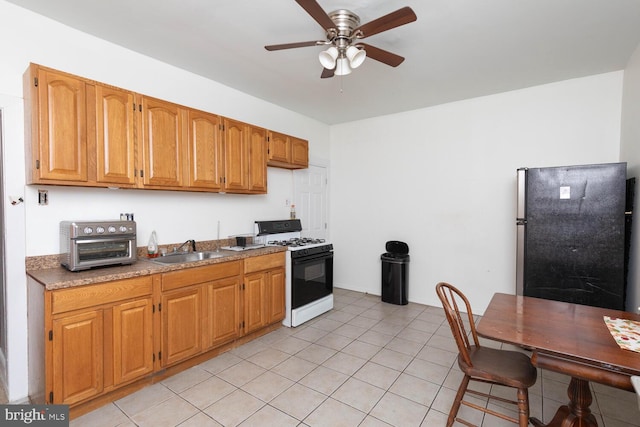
x,y
152,247
292,215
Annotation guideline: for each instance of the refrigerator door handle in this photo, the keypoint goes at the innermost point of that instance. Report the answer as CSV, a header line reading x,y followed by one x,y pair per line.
x,y
521,223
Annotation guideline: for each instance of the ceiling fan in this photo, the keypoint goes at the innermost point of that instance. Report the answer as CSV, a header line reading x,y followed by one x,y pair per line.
x,y
343,32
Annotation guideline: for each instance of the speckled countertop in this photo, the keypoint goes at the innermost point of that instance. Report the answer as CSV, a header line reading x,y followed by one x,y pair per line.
x,y
47,271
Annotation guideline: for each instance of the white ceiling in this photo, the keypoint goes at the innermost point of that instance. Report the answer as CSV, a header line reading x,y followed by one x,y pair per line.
x,y
457,49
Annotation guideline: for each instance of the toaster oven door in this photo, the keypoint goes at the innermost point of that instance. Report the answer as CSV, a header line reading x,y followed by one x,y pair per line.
x,y
87,253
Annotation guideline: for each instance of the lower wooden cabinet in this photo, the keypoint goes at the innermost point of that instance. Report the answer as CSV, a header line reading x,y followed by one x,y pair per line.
x,y
99,338
181,324
264,279
132,340
200,310
78,363
222,323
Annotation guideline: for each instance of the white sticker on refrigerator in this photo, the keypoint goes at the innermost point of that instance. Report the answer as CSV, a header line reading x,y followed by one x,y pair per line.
x,y
565,193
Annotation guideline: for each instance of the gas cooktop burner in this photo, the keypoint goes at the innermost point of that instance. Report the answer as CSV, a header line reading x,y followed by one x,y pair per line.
x,y
296,242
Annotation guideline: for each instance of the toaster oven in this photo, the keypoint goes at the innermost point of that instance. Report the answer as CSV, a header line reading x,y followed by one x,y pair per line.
x,y
89,244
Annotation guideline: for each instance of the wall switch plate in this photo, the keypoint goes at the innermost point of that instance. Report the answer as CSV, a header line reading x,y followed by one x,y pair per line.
x,y
43,197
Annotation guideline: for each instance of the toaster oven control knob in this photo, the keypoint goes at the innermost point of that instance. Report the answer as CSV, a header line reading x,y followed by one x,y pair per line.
x,y
88,230
99,229
111,229
123,229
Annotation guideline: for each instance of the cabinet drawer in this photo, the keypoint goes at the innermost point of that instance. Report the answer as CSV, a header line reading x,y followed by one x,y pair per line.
x,y
89,296
264,262
193,276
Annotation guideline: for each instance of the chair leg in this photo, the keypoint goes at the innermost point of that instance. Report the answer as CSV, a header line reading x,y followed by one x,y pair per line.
x,y
523,407
456,403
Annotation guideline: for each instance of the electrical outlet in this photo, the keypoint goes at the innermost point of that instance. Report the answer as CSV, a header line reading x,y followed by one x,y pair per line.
x,y
43,197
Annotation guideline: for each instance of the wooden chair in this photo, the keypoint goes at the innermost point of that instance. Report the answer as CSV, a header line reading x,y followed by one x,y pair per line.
x,y
484,364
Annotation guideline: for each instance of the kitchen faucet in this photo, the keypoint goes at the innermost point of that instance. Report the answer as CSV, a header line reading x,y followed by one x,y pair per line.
x,y
180,248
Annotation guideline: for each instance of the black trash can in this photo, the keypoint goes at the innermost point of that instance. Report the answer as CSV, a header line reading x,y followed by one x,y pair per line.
x,y
395,273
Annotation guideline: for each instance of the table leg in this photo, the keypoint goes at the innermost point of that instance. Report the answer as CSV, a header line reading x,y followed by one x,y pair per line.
x,y
577,412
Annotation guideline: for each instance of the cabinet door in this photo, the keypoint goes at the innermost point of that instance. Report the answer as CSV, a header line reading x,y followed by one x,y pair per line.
x,y
181,324
257,160
279,147
78,363
255,295
236,152
162,141
276,296
115,145
132,340
205,151
62,128
299,152
223,310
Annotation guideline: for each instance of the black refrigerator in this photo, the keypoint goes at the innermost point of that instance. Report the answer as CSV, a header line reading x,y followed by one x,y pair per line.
x,y
571,227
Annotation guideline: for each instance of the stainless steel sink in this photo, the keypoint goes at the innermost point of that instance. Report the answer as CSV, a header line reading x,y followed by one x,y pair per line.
x,y
186,257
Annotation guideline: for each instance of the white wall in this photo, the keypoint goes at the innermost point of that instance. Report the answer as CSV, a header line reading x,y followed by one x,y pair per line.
x,y
176,216
443,180
630,153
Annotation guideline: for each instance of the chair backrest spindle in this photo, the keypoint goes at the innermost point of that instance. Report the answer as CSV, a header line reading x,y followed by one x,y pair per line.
x,y
450,297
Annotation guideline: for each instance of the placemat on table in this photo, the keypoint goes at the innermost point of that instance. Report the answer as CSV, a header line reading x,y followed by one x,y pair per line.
x,y
625,332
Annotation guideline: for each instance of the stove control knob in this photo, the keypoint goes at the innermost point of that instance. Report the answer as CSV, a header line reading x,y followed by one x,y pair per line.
x,y
304,252
99,229
111,229
87,230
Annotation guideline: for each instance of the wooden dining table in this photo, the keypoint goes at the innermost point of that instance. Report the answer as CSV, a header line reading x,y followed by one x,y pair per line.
x,y
572,339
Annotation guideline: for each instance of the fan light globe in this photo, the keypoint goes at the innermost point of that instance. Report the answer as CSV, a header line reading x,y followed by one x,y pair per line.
x,y
342,67
356,56
328,58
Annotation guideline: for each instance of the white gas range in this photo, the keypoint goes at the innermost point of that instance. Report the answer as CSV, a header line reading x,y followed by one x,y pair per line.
x,y
309,264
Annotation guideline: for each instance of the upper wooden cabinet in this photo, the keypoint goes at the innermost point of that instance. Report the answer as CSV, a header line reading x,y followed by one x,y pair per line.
x,y
114,113
206,151
163,136
287,151
56,105
279,148
245,153
257,159
236,155
299,152
80,132
85,133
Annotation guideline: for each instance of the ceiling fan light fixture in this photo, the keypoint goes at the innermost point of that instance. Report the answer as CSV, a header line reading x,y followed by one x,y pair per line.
x,y
342,67
328,58
356,56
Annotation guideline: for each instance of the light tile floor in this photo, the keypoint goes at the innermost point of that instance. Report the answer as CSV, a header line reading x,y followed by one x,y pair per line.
x,y
365,363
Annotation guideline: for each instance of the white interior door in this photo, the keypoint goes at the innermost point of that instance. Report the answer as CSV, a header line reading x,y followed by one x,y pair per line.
x,y
310,198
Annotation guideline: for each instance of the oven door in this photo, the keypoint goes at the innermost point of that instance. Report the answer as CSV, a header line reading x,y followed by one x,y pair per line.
x,y
311,278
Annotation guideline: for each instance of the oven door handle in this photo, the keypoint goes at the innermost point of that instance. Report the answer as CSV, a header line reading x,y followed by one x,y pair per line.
x,y
304,259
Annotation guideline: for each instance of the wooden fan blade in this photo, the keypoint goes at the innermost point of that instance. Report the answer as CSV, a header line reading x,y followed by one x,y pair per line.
x,y
313,8
387,22
326,73
382,55
293,45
